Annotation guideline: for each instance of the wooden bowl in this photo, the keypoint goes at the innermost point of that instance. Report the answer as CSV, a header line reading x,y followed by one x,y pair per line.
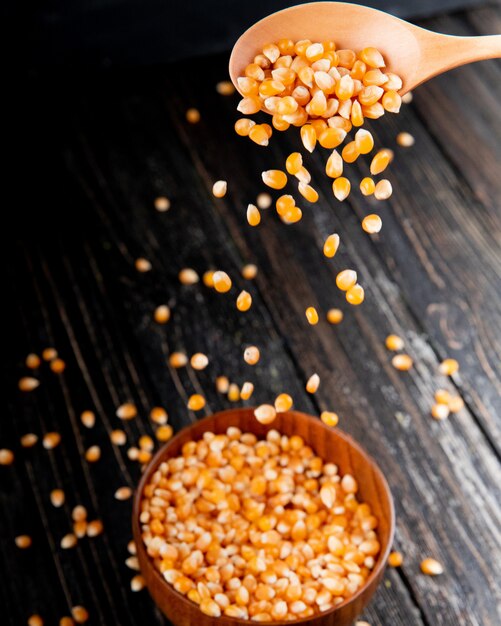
x,y
331,445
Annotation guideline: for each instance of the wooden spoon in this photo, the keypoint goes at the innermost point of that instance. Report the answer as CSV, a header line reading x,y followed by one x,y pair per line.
x,y
415,54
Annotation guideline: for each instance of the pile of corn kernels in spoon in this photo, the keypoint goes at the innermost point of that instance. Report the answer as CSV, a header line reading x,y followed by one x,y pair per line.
x,y
257,529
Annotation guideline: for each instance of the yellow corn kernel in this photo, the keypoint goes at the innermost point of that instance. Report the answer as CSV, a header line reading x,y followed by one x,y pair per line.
x,y
287,106
440,411
456,404
225,88
51,440
312,315
374,111
402,362
188,276
249,271
303,175
29,440
247,86
279,123
193,116
219,188
318,104
306,76
164,433
341,188
370,95
383,189
259,134
210,607
313,383
346,279
126,411
244,301
356,115
381,161
246,391
431,567
118,437
199,361
395,559
319,126
350,152
292,215
233,393
406,140
251,355
308,137
283,403
178,359
442,396
393,82
265,413
335,316
334,165
314,52
253,215
448,367
346,58
161,315
308,192
27,383
57,366
276,179
294,163
208,279
331,138
372,223
364,141
271,51
36,620
329,418
285,75
394,343
407,97
374,77
345,87
324,81
286,46
249,105
253,70
355,295
284,203
372,57
331,245
270,87
222,282
367,186
196,402
93,454
391,101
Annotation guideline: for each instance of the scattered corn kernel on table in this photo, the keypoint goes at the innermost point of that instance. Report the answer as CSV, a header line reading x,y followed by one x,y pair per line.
x,y
101,152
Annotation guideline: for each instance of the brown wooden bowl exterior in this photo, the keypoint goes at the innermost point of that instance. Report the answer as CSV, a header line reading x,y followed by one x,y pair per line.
x,y
331,445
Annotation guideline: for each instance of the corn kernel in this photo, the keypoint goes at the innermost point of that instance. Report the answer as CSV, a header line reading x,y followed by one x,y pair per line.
x,y
346,279
308,192
28,383
243,126
355,295
188,276
431,567
178,359
283,403
246,391
350,152
253,215
372,57
383,190
456,404
313,383
259,134
394,343
225,88
308,137
294,163
244,301
341,188
335,316
249,271
265,414
395,559
381,161
312,315
440,411
161,314
276,179
329,418
196,402
334,165
367,186
331,138
331,245
402,362
219,188
372,223
251,355
448,367
364,141
126,411
406,140
391,101
222,282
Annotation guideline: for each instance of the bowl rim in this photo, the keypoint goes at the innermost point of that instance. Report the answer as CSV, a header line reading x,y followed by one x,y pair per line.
x,y
155,461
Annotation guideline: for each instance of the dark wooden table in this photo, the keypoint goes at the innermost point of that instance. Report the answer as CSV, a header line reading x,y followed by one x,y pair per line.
x,y
96,154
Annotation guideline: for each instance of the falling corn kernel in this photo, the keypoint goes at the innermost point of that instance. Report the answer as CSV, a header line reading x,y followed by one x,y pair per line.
x,y
233,392
225,88
29,440
123,493
28,384
283,403
88,418
367,186
6,456
162,314
23,541
442,396
431,567
346,279
265,413
79,513
355,295
95,528
372,223
311,315
350,152
48,354
118,437
193,116
57,498
35,620
222,384
196,402
178,359
364,141
137,583
331,138
395,559
142,265
406,140
294,163
164,433
334,165
243,126
161,204
219,188
57,366
308,192
341,188
126,411
335,316
456,404
303,175
249,271
383,190
440,411
381,161
146,443
264,201
253,215
188,276
260,134
251,355
32,361
222,282
244,301
276,179
329,418
331,245
208,278
308,137
284,204
402,362
199,361
407,97
391,101
80,614
313,383
394,343
68,541
51,440
246,391
93,454
448,367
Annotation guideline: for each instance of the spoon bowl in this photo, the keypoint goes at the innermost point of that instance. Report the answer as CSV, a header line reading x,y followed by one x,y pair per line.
x,y
414,53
